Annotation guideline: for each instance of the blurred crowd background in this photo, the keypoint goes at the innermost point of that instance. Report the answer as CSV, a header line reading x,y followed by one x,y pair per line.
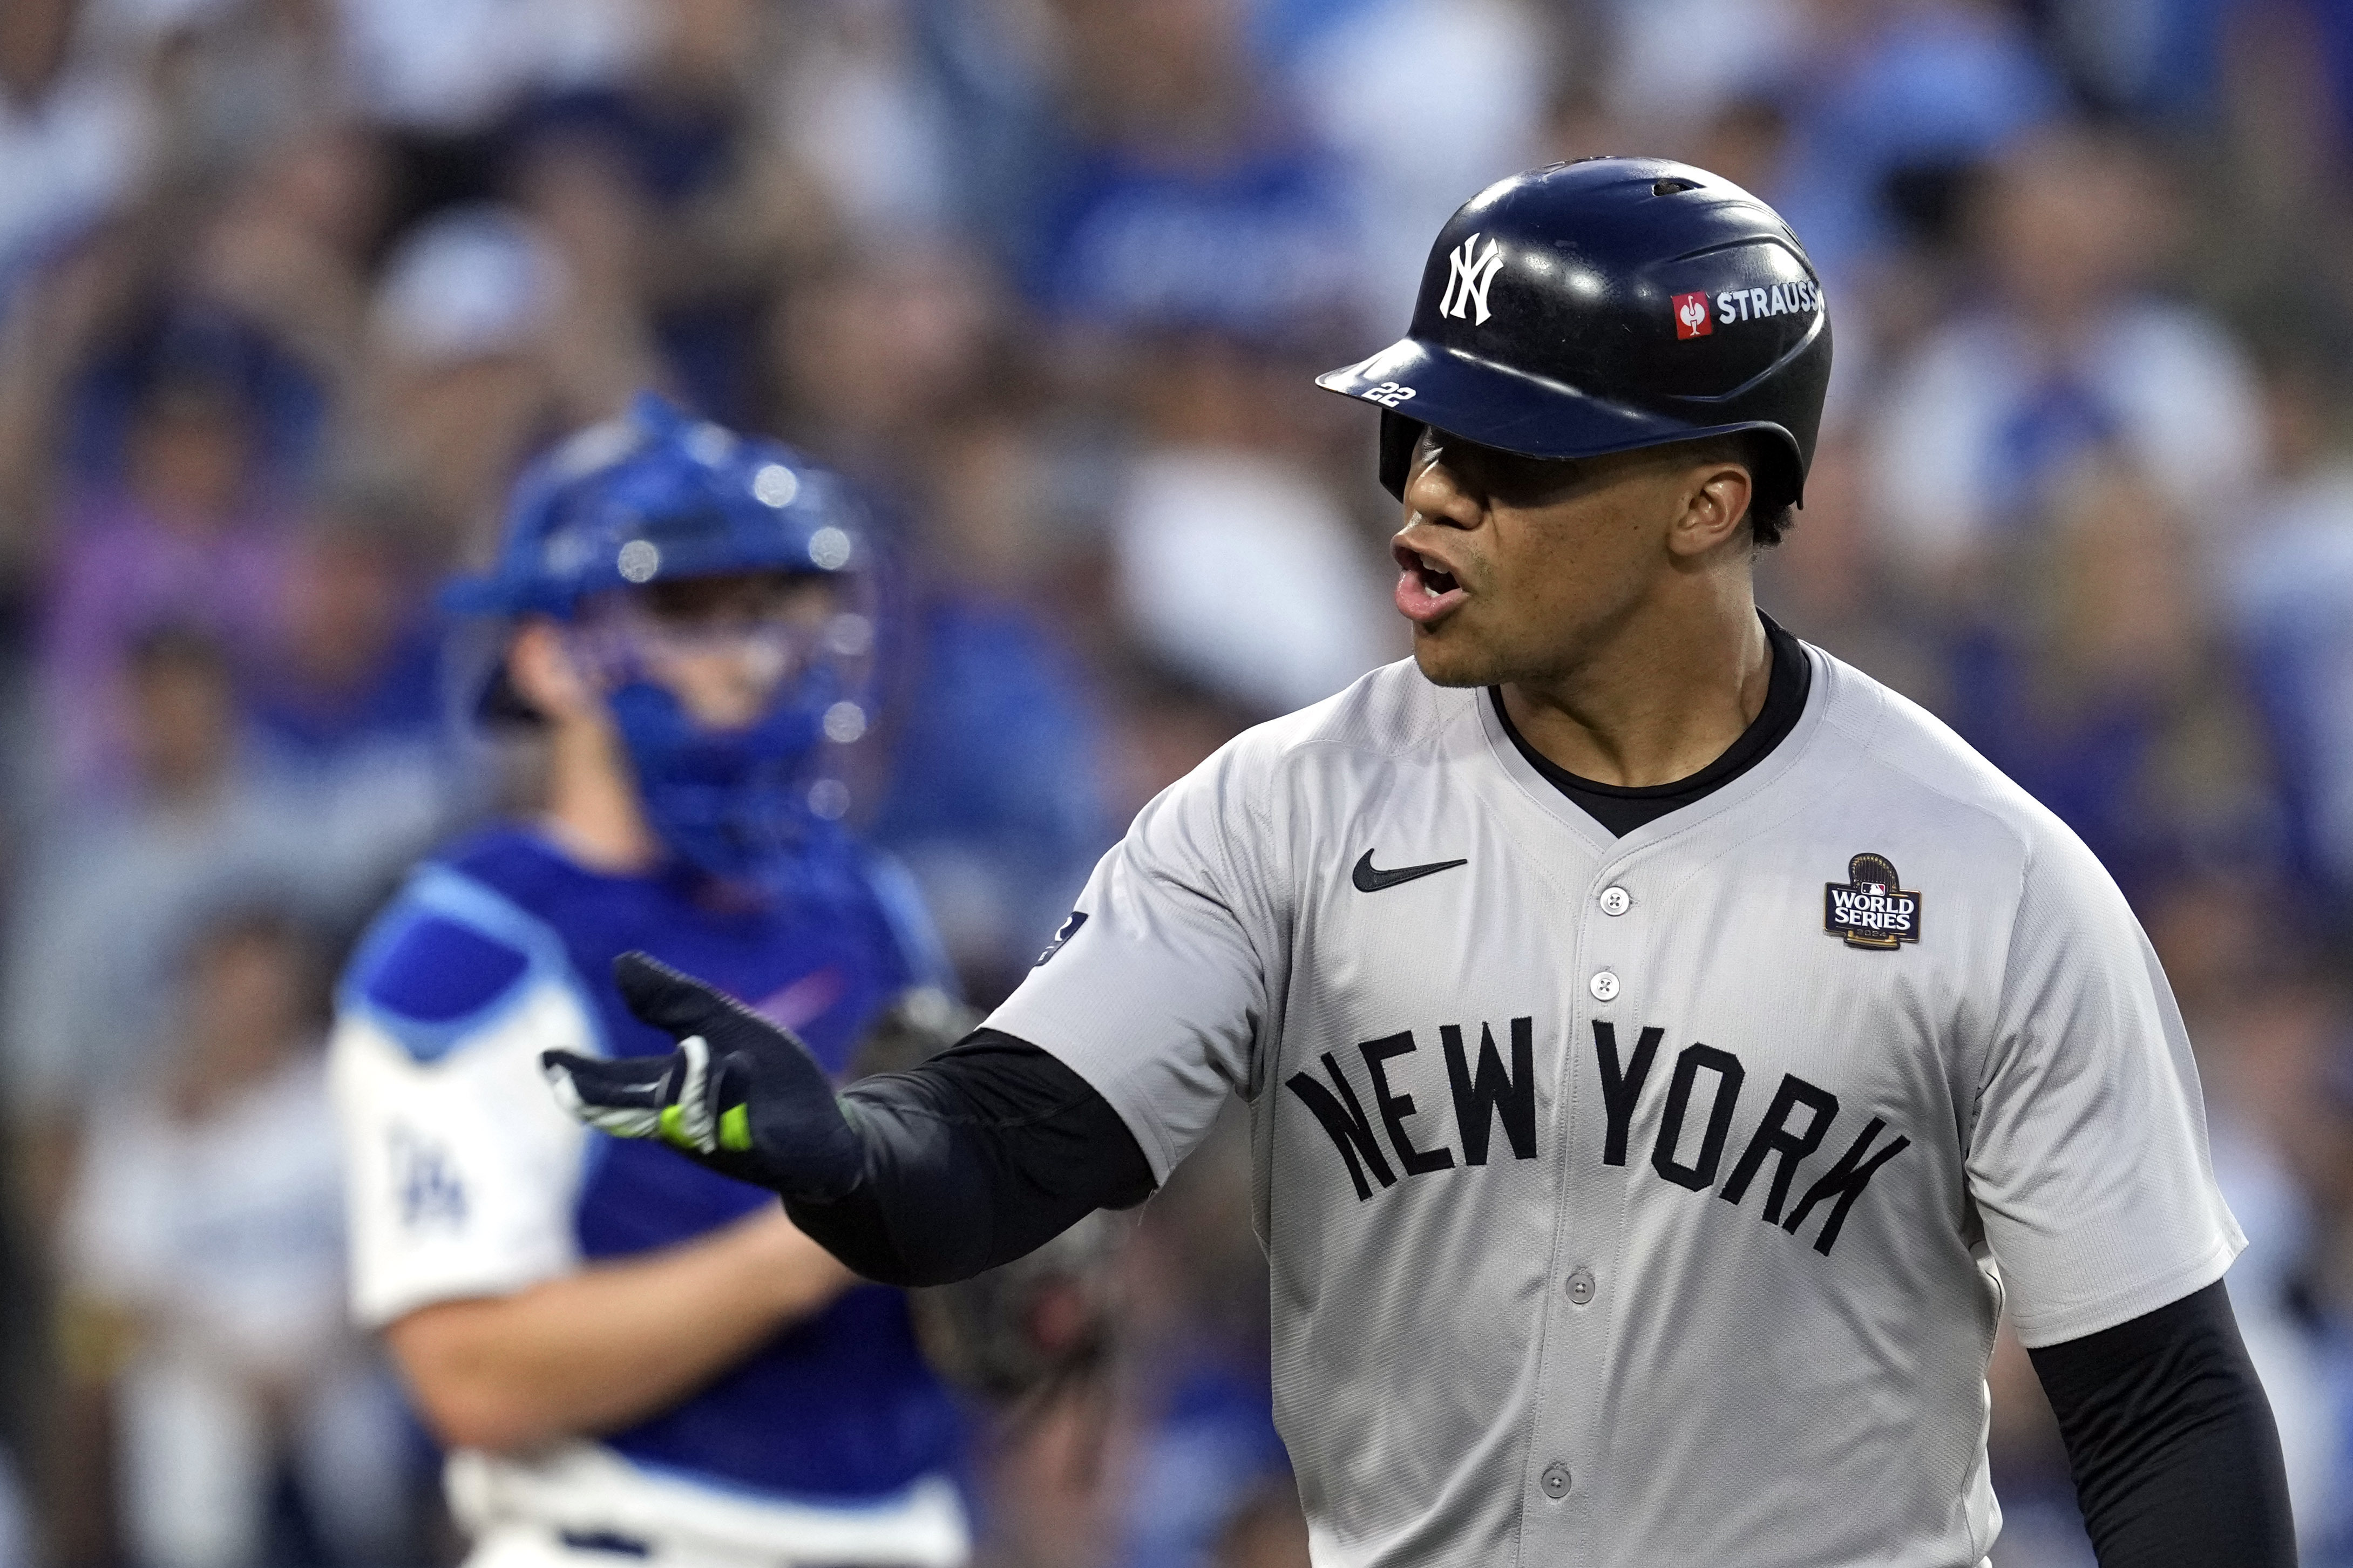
x,y
289,289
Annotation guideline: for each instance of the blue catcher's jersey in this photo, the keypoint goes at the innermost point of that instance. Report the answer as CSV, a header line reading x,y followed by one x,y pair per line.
x,y
468,1181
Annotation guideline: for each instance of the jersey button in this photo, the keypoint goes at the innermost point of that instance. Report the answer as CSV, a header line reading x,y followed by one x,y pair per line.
x,y
1580,1288
1604,986
1554,1481
1616,900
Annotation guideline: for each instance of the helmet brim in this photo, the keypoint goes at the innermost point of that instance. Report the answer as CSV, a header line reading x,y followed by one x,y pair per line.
x,y
1511,410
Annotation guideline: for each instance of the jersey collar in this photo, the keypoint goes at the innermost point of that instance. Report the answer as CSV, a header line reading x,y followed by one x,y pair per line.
x,y
1539,791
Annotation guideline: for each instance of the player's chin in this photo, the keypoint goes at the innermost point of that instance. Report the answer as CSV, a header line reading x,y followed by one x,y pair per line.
x,y
1447,655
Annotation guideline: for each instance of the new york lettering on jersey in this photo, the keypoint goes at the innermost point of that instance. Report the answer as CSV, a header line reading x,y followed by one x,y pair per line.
x,y
1793,1125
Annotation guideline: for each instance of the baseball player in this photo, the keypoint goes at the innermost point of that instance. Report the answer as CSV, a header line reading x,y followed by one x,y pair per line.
x,y
632,1357
1642,1168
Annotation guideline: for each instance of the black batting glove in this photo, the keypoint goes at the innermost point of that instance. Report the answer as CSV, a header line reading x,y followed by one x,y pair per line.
x,y
739,1095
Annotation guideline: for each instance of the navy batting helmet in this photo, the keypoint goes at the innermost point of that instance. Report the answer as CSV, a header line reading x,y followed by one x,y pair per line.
x,y
1603,306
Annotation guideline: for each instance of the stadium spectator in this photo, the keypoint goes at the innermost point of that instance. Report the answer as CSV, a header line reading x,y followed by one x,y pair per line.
x,y
1193,194
872,351
1882,94
74,135
674,202
2290,600
104,903
352,658
205,1255
999,790
2104,686
1420,100
1295,582
461,377
441,74
2068,351
191,536
96,914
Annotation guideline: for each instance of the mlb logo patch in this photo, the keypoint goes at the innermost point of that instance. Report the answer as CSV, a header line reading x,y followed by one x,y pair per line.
x,y
1691,318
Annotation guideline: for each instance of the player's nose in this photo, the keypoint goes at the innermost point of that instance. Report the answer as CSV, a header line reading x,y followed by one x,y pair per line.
x,y
1435,494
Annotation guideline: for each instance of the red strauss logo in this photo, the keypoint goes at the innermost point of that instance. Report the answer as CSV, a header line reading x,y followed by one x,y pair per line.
x,y
1691,316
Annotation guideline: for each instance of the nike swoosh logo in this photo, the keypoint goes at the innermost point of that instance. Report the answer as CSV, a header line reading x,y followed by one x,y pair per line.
x,y
1368,880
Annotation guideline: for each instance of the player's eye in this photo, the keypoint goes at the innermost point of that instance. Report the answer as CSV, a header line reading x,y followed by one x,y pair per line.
x,y
1517,481
1508,478
739,598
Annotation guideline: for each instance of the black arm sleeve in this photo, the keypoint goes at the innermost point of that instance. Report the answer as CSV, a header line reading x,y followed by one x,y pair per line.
x,y
2176,1458
981,1155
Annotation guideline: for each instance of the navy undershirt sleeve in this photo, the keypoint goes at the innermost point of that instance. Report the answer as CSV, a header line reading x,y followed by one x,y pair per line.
x,y
979,1155
2176,1458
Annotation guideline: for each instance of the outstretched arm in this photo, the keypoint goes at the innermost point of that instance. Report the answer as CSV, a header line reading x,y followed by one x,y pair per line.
x,y
2176,1458
971,1160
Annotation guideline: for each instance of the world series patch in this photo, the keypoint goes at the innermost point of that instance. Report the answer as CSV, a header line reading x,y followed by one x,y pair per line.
x,y
1871,909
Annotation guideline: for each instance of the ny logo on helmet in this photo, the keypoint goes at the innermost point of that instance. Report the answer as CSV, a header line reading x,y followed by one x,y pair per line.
x,y
1467,284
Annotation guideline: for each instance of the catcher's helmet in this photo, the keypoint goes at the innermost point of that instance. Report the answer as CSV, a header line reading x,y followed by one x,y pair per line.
x,y
660,497
1606,305
655,496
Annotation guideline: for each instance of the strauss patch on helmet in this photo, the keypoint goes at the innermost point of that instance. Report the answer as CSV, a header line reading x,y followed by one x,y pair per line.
x,y
1780,300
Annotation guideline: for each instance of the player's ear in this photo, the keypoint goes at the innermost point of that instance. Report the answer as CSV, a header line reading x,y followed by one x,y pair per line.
x,y
543,674
1715,498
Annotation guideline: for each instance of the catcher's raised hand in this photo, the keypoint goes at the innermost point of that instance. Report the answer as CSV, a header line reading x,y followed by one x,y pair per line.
x,y
740,1094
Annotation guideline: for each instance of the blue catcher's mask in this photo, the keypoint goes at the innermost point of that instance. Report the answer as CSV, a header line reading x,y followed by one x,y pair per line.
x,y
623,509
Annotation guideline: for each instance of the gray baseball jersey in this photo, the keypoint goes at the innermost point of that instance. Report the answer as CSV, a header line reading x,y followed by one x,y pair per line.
x,y
1648,1200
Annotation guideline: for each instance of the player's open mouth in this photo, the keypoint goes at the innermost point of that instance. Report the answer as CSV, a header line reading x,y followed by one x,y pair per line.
x,y
1426,590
